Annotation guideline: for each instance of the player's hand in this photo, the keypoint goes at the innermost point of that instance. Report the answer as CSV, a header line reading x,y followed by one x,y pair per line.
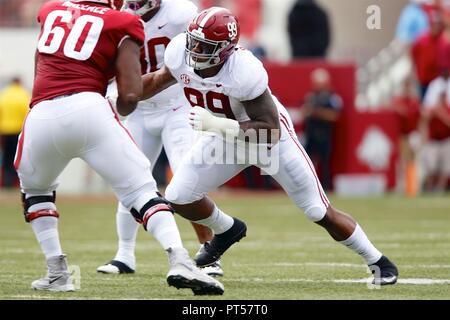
x,y
201,120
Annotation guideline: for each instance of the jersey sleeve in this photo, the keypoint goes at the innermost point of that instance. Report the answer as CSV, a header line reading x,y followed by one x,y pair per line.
x,y
173,57
135,30
251,79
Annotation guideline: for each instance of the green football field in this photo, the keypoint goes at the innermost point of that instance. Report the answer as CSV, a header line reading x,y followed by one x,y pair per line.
x,y
284,256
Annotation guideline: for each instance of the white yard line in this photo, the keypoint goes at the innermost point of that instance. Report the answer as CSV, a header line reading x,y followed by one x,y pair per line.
x,y
334,264
412,281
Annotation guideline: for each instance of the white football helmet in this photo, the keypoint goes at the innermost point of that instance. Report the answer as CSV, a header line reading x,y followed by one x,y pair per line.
x,y
140,7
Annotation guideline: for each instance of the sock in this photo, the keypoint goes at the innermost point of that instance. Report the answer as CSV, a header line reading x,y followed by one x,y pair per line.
x,y
127,229
163,227
46,231
359,243
218,221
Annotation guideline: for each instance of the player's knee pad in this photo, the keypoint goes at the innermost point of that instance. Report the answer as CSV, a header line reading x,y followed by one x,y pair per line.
x,y
315,214
43,212
149,209
186,196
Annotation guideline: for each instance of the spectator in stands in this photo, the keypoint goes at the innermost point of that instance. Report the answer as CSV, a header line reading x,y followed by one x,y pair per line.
x,y
425,51
321,111
407,107
14,100
308,29
9,13
435,154
413,21
28,10
443,57
436,87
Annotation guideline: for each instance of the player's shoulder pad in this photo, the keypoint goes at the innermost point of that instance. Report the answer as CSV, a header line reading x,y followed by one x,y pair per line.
x,y
248,73
129,24
123,18
180,12
174,55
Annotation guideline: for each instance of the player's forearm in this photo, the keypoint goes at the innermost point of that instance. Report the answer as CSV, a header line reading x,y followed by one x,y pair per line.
x,y
128,94
127,104
156,82
266,131
128,77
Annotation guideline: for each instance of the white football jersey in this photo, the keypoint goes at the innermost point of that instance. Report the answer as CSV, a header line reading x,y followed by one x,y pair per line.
x,y
241,78
172,19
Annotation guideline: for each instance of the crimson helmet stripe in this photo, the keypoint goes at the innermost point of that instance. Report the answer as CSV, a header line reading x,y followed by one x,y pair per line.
x,y
210,14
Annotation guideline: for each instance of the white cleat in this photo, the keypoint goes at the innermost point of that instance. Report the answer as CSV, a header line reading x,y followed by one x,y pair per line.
x,y
184,274
58,278
214,270
114,267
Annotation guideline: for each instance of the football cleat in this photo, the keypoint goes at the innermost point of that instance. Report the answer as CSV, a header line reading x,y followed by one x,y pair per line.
x,y
214,270
184,274
211,251
58,278
115,267
385,272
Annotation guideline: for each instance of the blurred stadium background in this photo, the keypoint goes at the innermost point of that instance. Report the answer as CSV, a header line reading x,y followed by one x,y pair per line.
x,y
373,157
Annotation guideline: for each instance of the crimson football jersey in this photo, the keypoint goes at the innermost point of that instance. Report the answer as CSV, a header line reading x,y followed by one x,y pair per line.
x,y
77,47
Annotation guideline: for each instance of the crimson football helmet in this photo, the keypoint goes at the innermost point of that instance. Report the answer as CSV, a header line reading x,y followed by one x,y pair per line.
x,y
140,7
216,31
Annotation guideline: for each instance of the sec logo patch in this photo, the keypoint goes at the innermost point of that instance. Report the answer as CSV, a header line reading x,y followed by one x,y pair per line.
x,y
185,78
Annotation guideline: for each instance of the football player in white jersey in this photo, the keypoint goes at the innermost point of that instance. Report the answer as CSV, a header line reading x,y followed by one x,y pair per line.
x,y
228,90
159,121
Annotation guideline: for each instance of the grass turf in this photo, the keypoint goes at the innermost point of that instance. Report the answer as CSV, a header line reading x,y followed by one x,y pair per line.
x,y
284,256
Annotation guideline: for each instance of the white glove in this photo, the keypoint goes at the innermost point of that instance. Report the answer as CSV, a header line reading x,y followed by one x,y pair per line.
x,y
202,120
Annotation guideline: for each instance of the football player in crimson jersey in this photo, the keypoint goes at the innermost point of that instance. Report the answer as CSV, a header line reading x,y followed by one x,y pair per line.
x,y
157,122
82,45
228,90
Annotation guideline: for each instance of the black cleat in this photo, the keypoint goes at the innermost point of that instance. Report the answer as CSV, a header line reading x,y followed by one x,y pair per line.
x,y
183,274
212,250
384,271
114,267
199,288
